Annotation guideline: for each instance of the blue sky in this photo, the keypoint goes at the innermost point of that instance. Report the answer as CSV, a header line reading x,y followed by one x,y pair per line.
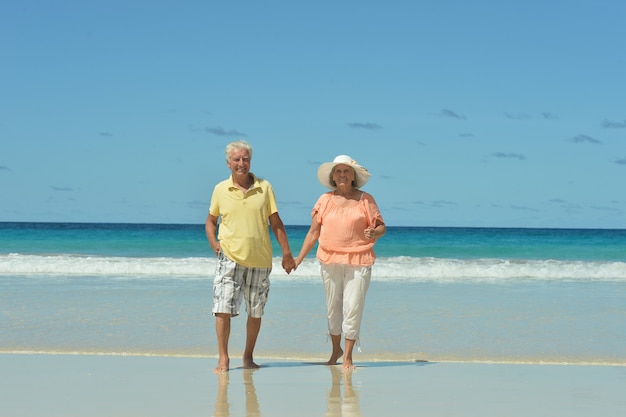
x,y
467,113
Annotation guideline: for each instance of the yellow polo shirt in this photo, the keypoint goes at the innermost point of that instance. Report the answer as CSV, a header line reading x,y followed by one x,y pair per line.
x,y
244,221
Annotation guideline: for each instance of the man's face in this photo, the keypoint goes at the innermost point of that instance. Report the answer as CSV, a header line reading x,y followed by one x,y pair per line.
x,y
239,162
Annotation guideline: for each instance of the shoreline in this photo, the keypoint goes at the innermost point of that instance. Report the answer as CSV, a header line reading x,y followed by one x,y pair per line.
x,y
315,359
78,385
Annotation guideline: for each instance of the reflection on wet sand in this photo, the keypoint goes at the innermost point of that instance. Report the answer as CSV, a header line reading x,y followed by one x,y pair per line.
x,y
252,402
342,397
222,405
338,405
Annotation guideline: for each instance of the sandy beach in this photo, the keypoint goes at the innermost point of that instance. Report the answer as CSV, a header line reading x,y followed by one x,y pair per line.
x,y
101,385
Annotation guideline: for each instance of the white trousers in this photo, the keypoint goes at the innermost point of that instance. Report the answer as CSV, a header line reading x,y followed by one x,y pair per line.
x,y
346,287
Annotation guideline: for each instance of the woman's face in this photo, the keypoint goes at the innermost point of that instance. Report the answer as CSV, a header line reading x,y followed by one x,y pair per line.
x,y
343,175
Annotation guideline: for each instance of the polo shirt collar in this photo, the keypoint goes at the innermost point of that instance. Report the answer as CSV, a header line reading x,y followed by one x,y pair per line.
x,y
255,183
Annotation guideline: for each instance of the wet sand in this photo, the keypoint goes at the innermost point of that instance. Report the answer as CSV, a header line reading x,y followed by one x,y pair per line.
x,y
100,385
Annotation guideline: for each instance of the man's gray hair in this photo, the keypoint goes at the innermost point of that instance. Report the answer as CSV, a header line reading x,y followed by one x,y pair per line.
x,y
238,144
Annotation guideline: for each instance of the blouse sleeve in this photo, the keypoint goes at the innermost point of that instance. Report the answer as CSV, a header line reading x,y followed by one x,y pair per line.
x,y
320,206
373,213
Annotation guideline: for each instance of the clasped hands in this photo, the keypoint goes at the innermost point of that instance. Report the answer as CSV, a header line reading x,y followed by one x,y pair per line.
x,y
289,264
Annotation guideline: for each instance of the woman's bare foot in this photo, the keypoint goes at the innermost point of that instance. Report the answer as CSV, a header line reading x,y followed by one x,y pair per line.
x,y
334,357
347,359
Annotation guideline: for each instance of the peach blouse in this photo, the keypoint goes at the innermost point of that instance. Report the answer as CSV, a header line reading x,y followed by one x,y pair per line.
x,y
342,234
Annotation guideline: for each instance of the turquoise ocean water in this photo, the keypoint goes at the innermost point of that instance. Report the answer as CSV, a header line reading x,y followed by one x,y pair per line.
x,y
437,294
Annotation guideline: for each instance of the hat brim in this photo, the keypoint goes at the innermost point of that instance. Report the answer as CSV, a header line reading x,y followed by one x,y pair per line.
x,y
323,174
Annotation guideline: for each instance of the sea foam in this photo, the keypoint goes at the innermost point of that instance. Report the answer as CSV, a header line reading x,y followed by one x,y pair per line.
x,y
401,268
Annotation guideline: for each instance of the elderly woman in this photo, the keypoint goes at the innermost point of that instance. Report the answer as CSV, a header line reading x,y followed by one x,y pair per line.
x,y
346,222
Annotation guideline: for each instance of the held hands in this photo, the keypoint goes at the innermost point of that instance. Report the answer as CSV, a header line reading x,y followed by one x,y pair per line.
x,y
289,264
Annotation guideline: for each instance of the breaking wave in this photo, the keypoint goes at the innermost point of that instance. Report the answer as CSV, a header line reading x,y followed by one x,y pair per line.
x,y
412,269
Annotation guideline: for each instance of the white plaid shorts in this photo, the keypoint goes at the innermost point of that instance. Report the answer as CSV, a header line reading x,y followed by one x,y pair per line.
x,y
234,282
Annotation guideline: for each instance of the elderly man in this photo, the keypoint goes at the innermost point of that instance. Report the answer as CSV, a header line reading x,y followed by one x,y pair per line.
x,y
244,205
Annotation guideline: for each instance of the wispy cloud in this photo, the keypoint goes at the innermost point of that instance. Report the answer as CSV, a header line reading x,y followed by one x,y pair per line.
x,y
521,116
565,204
403,208
62,189
426,205
452,114
4,168
367,126
614,125
106,134
291,203
605,208
385,177
548,115
509,155
220,131
584,139
197,204
442,203
523,208
620,161
466,135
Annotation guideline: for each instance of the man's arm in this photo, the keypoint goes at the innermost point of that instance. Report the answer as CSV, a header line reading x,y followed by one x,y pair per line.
x,y
278,228
210,227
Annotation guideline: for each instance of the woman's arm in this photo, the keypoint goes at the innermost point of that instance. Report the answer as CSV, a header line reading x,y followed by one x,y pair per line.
x,y
309,241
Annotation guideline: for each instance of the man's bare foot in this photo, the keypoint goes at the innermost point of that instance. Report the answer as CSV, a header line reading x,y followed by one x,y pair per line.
x,y
248,363
334,357
348,365
222,365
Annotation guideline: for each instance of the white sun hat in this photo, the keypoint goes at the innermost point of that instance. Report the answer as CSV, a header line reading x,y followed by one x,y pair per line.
x,y
325,170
